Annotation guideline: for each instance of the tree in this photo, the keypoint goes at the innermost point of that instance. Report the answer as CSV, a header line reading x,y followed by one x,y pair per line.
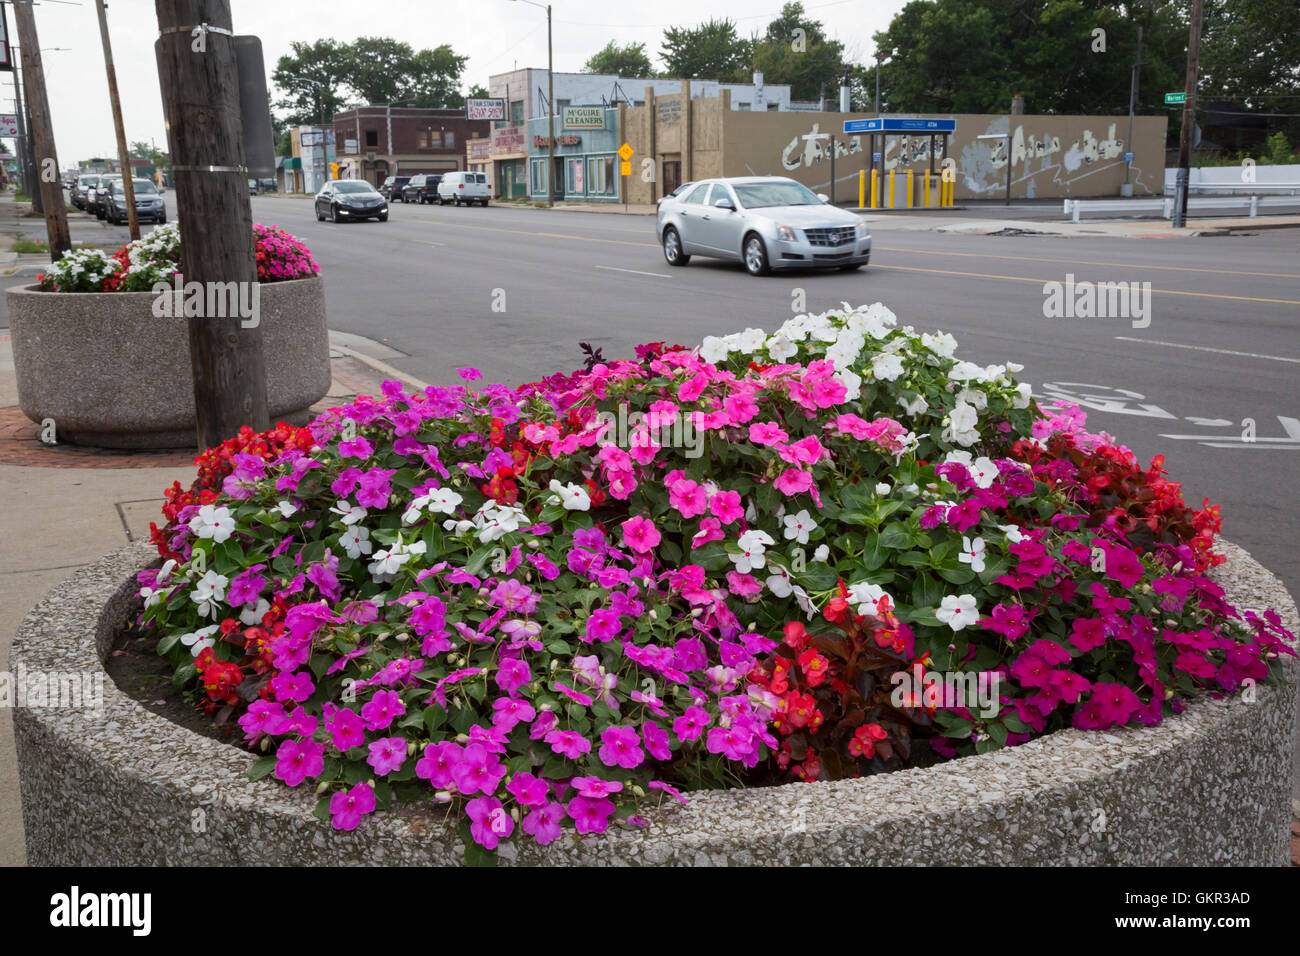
x,y
629,61
710,51
311,76
143,150
795,51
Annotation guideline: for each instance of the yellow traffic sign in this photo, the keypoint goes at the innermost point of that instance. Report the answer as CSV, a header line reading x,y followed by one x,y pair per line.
x,y
625,168
625,152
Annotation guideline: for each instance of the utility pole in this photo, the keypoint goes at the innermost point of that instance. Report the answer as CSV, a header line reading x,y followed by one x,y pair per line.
x,y
200,89
124,155
42,130
1127,190
23,145
550,108
1189,116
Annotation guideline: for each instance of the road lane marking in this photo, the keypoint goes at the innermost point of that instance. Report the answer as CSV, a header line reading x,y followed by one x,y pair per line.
x,y
658,275
988,275
1083,262
546,235
1203,348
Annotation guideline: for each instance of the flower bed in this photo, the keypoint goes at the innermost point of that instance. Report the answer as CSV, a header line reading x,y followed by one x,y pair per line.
x,y
824,553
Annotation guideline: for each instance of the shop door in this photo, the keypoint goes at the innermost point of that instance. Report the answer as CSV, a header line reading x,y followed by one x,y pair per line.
x,y
672,175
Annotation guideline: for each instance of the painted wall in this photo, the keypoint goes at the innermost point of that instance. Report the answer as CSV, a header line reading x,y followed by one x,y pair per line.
x,y
1051,156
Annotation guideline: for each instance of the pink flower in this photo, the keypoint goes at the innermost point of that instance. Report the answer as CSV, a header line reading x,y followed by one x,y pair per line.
x,y
346,727
528,790
688,497
478,771
693,387
656,740
767,433
744,585
508,711
792,481
691,724
621,747
568,743
489,822
387,755
382,709
725,506
296,687
593,788
512,674
710,530
603,625
438,764
668,789
296,760
348,807
640,534
544,823
590,816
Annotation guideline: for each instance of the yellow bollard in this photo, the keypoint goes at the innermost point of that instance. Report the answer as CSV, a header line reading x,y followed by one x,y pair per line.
x,y
891,188
909,188
875,188
927,190
862,188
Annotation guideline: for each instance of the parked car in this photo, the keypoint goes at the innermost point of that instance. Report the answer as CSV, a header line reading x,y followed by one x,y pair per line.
x,y
148,202
342,199
77,194
463,187
766,222
97,195
391,188
422,188
676,192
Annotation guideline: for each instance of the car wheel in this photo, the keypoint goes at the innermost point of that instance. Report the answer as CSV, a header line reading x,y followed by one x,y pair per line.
x,y
320,216
756,255
334,213
673,248
162,219
382,217
485,203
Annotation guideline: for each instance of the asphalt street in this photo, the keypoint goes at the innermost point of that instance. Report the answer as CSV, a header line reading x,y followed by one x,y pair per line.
x,y
513,290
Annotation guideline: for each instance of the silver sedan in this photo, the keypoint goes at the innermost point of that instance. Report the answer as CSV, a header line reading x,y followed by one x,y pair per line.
x,y
766,222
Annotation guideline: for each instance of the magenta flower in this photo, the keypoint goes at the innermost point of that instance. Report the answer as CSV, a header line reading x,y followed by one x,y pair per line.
x,y
507,711
688,497
666,788
438,764
725,506
346,727
359,447
546,722
543,823
767,433
489,822
478,771
621,747
296,760
511,675
246,587
640,534
528,789
262,717
730,742
656,740
295,686
514,597
387,755
578,697
590,816
691,724
603,625
382,709
348,807
710,530
568,743
792,481
373,488
593,788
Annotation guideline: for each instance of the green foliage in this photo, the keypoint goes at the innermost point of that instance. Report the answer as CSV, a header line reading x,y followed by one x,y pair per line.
x,y
796,51
710,51
630,60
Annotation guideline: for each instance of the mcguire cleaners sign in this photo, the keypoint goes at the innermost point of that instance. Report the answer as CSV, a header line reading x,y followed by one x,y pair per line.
x,y
584,117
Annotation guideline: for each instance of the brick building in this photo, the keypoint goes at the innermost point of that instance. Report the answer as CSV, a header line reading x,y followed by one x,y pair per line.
x,y
375,142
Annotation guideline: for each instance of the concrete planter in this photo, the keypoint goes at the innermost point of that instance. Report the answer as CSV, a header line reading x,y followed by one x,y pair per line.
x,y
109,373
121,785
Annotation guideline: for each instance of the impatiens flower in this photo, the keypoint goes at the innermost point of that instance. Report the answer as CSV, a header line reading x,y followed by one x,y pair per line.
x,y
691,724
725,506
347,807
767,433
958,611
568,743
687,497
793,481
296,760
438,764
382,709
543,823
621,747
798,526
478,770
296,687
387,755
346,727
590,816
489,822
593,788
640,534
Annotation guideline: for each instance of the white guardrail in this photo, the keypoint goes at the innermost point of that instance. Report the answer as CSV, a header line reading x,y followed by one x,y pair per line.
x,y
1074,208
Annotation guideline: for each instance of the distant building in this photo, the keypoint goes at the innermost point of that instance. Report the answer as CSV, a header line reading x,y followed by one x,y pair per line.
x,y
313,147
376,142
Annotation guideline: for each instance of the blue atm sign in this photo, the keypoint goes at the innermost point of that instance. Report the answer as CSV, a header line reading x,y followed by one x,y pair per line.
x,y
895,125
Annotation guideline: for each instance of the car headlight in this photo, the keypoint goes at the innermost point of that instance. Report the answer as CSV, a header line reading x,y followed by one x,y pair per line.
x,y
863,231
786,233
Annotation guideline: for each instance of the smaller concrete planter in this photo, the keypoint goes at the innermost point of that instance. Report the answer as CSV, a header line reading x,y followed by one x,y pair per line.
x,y
110,373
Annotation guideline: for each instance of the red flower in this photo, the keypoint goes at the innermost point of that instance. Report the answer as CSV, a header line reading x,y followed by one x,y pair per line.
x,y
814,666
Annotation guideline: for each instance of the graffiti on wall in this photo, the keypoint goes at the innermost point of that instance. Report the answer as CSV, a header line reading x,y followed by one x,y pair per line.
x,y
805,149
982,163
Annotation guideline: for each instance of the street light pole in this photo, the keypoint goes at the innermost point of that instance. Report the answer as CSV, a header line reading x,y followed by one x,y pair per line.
x,y
1127,190
1189,117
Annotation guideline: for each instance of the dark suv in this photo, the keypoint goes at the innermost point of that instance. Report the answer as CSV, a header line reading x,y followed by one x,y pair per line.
x,y
421,189
391,188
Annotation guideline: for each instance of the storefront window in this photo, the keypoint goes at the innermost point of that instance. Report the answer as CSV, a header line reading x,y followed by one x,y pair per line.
x,y
574,177
539,176
601,175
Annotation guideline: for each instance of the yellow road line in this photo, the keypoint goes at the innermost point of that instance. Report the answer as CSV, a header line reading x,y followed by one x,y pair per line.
x,y
1081,262
987,275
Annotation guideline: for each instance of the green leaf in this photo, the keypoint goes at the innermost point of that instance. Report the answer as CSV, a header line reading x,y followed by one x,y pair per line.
x,y
479,559
262,767
168,642
926,591
184,674
895,535
434,717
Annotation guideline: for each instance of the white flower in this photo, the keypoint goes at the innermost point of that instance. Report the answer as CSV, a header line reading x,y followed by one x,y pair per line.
x,y
356,541
213,521
910,489
1013,533
917,406
963,427
780,348
196,641
713,349
253,615
851,381
209,591
286,508
883,488
972,553
387,562
886,367
496,521
983,471
798,525
958,611
349,513
778,582
822,553
443,501
1024,392
573,497
864,592
941,343
753,548
965,372
805,603
751,340
974,396
457,527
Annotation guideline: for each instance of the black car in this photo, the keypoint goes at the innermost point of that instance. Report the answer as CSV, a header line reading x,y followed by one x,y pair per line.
x,y
342,199
77,194
422,188
97,197
391,188
148,202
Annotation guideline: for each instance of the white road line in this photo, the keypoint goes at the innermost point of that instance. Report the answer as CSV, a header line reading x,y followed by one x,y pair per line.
x,y
657,275
1202,348
426,242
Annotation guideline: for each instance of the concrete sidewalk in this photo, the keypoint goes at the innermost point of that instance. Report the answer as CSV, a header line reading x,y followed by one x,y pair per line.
x,y
65,507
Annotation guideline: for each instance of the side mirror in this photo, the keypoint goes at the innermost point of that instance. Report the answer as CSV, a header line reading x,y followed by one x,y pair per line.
x,y
725,203
823,197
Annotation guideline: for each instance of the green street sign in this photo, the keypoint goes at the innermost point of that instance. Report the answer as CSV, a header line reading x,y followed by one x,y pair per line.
x,y
1175,98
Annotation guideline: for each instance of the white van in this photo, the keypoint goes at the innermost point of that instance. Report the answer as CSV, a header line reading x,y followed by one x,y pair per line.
x,y
463,187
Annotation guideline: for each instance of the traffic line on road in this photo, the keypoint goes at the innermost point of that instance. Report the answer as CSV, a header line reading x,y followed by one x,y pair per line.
x,y
1084,262
545,235
426,242
1204,348
989,275
657,275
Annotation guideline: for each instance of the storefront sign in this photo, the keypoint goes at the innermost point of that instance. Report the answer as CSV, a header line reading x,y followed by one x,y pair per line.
x,y
544,142
485,109
508,140
478,150
584,117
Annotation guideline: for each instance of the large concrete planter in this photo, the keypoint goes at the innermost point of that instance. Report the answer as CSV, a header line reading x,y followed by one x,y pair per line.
x,y
109,373
121,785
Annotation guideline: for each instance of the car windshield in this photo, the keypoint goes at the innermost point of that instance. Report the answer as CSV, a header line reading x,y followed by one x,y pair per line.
x,y
758,195
142,187
354,186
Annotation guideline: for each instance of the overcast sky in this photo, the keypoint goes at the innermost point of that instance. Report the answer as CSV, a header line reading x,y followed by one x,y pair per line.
x,y
496,35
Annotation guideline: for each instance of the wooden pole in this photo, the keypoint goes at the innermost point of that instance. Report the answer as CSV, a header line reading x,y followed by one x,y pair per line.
x,y
42,132
124,155
200,88
1189,117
